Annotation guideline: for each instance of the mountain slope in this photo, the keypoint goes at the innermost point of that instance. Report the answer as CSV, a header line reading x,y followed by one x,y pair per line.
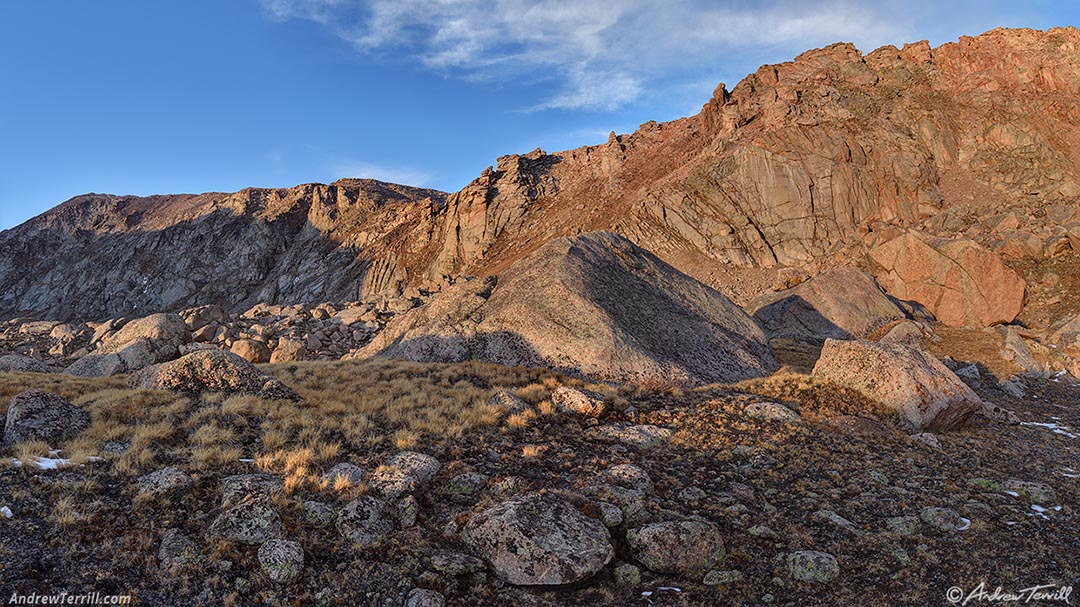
x,y
799,165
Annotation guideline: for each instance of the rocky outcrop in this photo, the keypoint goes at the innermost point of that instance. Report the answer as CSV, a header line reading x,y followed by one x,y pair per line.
x,y
594,305
960,282
925,393
137,345
844,303
211,371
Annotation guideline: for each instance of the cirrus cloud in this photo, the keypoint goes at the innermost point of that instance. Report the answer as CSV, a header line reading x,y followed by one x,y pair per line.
x,y
589,54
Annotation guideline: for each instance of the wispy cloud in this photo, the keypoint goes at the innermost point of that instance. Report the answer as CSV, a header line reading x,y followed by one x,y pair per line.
x,y
593,54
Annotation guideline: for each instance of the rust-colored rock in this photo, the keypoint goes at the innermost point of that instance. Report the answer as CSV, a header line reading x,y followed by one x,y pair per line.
x,y
960,282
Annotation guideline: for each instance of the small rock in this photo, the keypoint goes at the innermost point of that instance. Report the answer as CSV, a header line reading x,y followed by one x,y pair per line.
x,y
630,476
578,402
508,402
762,531
349,474
943,519
928,439
627,576
692,495
833,518
1013,387
770,411
812,566
420,597
168,483
318,514
6,512
281,560
720,578
643,436
465,484
903,525
404,473
177,551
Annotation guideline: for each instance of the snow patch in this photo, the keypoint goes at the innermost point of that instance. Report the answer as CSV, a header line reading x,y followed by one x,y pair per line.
x,y
6,512
1053,427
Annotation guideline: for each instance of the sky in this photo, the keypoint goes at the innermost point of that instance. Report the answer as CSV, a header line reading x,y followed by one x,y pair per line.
x,y
137,97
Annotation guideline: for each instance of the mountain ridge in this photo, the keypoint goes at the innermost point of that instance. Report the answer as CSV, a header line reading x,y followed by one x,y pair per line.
x,y
803,163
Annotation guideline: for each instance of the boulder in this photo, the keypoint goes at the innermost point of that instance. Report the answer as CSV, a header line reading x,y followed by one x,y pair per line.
x,y
812,566
177,551
168,483
365,521
958,281
251,351
36,415
539,540
138,344
253,520
281,560
23,364
681,547
211,371
594,305
289,350
923,391
578,402
404,473
644,436
843,303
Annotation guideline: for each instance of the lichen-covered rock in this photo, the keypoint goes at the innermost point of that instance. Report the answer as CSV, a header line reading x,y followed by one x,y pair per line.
x,y
507,402
37,415
422,597
211,371
943,519
253,520
644,436
403,473
318,514
349,474
924,392
167,483
578,402
769,411
281,560
23,364
629,475
682,547
456,563
812,566
365,521
177,551
240,486
538,540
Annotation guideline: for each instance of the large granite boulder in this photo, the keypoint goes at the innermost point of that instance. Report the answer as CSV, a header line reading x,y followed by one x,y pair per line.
x,y
843,303
539,540
137,345
36,415
958,281
595,305
211,371
924,392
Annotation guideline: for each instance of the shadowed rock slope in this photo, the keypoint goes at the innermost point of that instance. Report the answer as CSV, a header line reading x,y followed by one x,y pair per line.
x,y
594,305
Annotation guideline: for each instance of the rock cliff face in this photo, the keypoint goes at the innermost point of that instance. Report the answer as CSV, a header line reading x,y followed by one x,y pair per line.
x,y
795,166
99,256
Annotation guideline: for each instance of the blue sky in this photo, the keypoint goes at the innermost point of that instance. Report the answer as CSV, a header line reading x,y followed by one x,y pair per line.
x,y
136,97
